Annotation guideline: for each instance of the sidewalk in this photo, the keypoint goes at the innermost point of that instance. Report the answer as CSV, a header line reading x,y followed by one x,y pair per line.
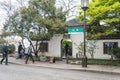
x,y
63,65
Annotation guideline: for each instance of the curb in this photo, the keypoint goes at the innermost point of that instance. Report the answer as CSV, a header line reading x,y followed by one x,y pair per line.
x,y
98,71
84,70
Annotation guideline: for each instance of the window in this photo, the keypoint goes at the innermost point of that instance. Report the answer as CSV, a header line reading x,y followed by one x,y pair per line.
x,y
43,47
109,46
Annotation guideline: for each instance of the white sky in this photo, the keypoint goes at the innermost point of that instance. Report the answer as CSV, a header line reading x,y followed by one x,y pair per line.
x,y
3,13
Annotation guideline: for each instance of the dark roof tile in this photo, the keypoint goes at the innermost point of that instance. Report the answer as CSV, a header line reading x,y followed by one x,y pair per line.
x,y
74,23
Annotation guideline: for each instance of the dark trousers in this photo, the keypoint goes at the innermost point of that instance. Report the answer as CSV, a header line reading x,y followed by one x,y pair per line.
x,y
5,56
20,55
29,56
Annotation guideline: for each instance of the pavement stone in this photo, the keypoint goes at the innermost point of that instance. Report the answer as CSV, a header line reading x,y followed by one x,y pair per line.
x,y
63,65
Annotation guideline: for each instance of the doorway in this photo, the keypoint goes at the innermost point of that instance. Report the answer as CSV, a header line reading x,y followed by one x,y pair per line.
x,y
64,53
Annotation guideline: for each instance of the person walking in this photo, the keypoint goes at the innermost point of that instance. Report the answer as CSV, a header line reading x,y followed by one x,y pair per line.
x,y
66,49
4,53
19,50
29,54
22,53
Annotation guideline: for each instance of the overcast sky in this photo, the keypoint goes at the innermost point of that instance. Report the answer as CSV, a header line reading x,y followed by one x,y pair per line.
x,y
3,13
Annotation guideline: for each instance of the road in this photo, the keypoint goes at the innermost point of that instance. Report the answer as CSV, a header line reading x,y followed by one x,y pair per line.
x,y
19,72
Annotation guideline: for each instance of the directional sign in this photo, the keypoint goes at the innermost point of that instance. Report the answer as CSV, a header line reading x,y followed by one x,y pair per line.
x,y
75,30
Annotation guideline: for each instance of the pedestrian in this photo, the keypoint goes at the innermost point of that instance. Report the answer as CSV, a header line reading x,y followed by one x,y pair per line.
x,y
22,53
66,49
4,54
19,50
29,54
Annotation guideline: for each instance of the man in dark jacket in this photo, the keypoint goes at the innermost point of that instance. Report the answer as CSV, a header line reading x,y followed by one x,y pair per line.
x,y
66,49
19,50
4,54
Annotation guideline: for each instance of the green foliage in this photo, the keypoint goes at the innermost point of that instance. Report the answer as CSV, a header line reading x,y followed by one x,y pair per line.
x,y
103,17
1,40
39,21
0,48
69,42
103,62
116,53
11,48
96,62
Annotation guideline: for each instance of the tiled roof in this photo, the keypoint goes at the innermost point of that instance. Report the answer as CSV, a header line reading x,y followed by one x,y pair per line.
x,y
75,23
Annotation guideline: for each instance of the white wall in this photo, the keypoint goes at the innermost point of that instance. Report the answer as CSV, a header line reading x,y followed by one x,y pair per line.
x,y
54,45
99,54
76,39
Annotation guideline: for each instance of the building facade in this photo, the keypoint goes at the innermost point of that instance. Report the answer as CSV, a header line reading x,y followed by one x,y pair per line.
x,y
102,48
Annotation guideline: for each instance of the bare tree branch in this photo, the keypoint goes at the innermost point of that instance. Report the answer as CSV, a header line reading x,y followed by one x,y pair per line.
x,y
7,6
21,2
68,6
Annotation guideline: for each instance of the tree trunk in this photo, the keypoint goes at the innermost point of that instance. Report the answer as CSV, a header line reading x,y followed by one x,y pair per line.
x,y
35,50
23,43
36,55
92,56
111,58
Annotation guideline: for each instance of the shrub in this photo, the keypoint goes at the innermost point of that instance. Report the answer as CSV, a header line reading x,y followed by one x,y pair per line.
x,y
116,53
0,48
11,48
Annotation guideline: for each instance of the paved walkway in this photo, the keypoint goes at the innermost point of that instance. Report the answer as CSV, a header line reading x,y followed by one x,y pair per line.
x,y
63,65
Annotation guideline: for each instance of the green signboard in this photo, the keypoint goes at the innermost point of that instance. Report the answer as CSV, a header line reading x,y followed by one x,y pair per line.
x,y
75,30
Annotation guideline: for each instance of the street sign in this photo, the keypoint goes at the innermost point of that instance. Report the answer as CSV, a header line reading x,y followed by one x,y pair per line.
x,y
76,30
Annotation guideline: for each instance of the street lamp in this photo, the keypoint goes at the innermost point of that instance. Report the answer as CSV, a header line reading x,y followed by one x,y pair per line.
x,y
84,6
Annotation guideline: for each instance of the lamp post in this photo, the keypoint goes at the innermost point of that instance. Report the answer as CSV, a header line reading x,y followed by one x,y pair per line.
x,y
84,6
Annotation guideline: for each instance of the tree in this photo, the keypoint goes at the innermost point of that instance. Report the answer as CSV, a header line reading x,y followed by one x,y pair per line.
x,y
91,46
116,53
1,42
103,17
80,49
9,8
39,21
11,48
69,6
